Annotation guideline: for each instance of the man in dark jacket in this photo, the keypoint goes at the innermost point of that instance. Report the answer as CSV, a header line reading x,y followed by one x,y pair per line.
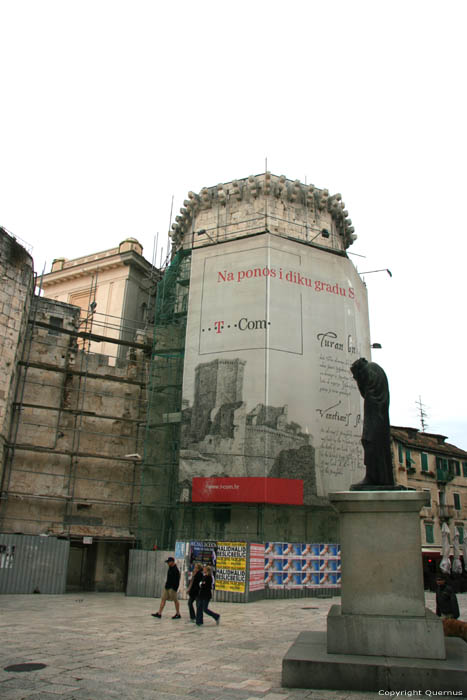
x,y
170,591
446,600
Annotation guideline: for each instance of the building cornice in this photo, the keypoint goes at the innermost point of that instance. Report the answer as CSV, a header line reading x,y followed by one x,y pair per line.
x,y
89,267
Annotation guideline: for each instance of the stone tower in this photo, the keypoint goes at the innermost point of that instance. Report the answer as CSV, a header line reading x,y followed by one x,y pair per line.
x,y
216,383
275,314
263,203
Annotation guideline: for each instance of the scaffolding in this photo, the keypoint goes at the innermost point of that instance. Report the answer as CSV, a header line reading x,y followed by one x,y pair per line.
x,y
159,475
71,465
166,513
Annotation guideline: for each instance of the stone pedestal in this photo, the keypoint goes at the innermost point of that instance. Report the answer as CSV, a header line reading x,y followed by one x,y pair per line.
x,y
381,638
383,604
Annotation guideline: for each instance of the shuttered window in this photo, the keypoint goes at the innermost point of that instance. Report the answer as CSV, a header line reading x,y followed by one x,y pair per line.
x,y
424,462
429,533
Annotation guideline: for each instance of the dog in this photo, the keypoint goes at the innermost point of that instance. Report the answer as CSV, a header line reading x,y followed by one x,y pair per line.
x,y
455,628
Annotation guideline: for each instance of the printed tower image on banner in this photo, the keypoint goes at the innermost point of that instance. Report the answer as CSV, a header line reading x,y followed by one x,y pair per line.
x,y
273,327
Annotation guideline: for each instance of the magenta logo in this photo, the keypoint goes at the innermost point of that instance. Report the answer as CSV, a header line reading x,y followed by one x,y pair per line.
x,y
244,324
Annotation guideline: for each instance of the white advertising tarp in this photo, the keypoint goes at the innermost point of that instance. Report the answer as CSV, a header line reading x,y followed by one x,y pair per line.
x,y
273,327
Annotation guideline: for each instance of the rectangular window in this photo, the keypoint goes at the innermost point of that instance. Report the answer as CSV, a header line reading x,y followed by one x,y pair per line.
x,y
427,491
401,453
429,537
461,534
457,501
408,459
57,323
424,462
457,468
464,468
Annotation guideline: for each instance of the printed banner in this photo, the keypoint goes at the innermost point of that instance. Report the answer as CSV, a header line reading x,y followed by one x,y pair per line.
x,y
231,566
256,582
247,490
273,328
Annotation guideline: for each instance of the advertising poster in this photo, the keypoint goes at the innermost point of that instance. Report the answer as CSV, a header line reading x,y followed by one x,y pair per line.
x,y
182,560
263,309
256,581
231,566
288,565
203,552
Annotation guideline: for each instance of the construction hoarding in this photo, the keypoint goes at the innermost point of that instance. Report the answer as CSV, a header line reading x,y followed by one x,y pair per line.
x,y
273,328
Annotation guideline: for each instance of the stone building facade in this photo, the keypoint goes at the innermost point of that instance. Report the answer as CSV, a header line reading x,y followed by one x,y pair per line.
x,y
73,430
425,461
115,290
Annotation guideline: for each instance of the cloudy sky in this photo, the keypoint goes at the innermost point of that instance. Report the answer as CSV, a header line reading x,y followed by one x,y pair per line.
x,y
110,109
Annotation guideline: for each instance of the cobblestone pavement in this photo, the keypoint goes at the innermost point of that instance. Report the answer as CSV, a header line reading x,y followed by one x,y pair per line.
x,y
108,646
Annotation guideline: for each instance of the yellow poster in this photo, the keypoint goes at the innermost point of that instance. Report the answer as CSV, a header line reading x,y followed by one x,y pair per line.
x,y
231,566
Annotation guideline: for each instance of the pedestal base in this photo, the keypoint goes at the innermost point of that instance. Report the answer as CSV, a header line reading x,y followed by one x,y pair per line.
x,y
383,635
307,664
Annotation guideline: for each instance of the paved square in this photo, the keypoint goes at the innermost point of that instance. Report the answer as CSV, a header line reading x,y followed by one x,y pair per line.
x,y
105,645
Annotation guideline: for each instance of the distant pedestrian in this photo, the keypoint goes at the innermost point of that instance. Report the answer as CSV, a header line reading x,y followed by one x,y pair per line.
x,y
193,590
446,600
170,591
205,593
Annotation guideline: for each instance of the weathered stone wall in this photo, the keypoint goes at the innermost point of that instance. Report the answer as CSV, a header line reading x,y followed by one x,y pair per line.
x,y
259,203
74,468
16,288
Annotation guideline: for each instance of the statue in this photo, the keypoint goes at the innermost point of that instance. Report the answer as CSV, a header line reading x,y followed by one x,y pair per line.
x,y
376,440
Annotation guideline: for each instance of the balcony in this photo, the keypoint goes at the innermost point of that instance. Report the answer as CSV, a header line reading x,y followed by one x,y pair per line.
x,y
445,512
443,475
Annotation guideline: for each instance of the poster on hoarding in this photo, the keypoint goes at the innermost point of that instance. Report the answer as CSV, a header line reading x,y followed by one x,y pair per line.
x,y
231,566
256,579
295,566
260,310
203,552
182,560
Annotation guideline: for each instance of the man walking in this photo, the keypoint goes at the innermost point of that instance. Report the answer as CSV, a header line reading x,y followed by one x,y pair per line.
x,y
170,591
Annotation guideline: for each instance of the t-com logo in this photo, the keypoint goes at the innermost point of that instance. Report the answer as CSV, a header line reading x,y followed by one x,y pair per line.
x,y
244,324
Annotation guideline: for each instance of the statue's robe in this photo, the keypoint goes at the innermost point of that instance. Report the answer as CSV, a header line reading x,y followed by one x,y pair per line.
x,y
376,438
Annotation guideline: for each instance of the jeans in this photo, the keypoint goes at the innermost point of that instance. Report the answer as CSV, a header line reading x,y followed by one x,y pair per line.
x,y
191,608
202,607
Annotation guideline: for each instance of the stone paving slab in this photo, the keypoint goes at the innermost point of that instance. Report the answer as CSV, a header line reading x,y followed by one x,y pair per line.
x,y
108,646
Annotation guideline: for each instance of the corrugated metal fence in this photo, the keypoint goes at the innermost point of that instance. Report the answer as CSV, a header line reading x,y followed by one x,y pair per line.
x,y
147,572
30,563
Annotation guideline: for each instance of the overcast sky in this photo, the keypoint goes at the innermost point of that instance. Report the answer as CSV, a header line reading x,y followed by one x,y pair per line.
x,y
108,109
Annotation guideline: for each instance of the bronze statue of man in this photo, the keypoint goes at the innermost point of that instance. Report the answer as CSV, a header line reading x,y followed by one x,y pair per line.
x,y
376,439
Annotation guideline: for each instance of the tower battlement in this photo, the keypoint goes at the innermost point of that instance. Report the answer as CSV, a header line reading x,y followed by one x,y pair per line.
x,y
261,203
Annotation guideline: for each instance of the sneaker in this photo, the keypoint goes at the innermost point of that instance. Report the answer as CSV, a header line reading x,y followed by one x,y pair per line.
x,y
218,619
176,617
193,619
156,614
